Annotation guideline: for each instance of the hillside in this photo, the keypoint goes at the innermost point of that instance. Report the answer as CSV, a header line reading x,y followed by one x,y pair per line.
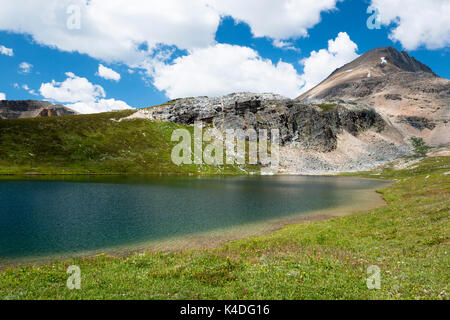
x,y
92,144
407,93
314,138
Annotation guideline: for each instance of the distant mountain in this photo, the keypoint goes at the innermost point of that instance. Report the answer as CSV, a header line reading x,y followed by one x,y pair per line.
x,y
404,91
14,109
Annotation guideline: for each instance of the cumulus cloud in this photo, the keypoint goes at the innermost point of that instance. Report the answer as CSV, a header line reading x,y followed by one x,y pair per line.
x,y
223,69
102,105
73,89
320,64
80,95
417,22
280,19
25,67
113,30
118,30
6,51
2,96
107,73
138,33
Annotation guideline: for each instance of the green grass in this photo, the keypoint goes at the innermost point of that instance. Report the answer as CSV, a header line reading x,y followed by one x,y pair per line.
x,y
168,103
92,144
408,240
327,107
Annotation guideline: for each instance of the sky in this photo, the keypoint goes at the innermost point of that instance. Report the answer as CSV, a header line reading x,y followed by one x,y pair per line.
x,y
95,56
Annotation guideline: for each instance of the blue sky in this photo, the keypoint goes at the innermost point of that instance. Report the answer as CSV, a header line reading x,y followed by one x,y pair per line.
x,y
147,79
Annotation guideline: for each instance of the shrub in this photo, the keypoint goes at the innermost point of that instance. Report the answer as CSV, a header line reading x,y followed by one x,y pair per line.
x,y
420,147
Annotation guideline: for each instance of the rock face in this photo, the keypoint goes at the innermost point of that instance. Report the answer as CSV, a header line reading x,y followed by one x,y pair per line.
x,y
300,125
404,91
315,138
10,109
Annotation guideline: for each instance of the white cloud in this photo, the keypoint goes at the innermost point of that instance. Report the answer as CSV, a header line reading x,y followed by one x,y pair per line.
x,y
26,88
82,95
223,69
141,34
6,51
417,22
2,96
102,105
114,30
25,67
73,89
30,91
320,64
284,45
107,73
280,19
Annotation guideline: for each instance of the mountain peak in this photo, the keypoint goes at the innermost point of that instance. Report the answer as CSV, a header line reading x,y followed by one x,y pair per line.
x,y
401,60
379,64
401,88
382,61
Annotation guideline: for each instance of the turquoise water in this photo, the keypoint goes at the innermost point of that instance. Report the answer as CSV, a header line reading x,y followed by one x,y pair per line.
x,y
43,218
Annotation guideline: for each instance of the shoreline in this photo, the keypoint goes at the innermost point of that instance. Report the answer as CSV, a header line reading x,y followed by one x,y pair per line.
x,y
343,174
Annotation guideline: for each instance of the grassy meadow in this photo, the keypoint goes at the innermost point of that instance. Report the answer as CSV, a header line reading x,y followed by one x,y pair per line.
x,y
94,144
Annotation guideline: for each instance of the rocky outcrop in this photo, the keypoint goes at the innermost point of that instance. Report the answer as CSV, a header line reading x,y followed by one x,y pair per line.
x,y
419,123
301,125
13,109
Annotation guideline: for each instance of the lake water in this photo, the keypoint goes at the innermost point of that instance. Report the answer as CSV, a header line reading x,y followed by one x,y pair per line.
x,y
40,218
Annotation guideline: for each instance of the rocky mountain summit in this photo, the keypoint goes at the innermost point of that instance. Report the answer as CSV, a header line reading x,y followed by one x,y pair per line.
x,y
407,93
13,109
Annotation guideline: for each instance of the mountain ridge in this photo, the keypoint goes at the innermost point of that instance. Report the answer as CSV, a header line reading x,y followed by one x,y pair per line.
x,y
16,109
402,60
